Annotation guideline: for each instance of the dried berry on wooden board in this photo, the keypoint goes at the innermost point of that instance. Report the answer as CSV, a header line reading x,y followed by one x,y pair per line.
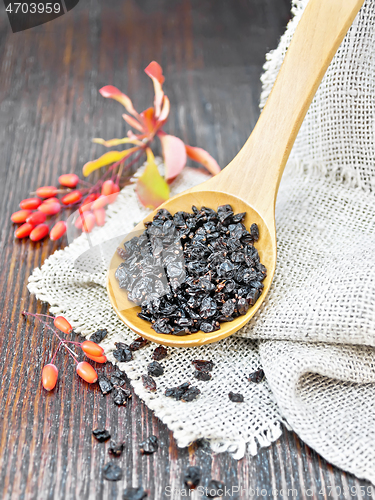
x,y
202,376
104,384
203,366
192,477
98,336
257,376
112,472
160,353
120,396
101,435
155,369
193,271
149,383
149,445
215,489
134,493
115,448
138,343
235,398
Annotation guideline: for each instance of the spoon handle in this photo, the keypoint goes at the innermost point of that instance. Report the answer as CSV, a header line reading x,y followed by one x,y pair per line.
x,y
254,174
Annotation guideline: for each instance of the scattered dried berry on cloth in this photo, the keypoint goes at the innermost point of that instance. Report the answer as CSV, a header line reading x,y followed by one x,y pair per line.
x,y
104,384
116,448
192,477
192,271
257,376
235,398
122,352
112,472
98,336
134,493
138,343
101,435
202,376
155,369
214,489
160,353
149,383
120,396
149,445
183,392
203,366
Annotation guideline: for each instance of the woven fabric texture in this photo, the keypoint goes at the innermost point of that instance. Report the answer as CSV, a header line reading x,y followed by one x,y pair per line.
x,y
315,333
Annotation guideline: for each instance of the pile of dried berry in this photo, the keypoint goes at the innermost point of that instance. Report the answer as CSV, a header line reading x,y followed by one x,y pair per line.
x,y
192,271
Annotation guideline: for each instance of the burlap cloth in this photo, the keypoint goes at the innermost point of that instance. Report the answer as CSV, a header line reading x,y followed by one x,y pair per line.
x,y
315,333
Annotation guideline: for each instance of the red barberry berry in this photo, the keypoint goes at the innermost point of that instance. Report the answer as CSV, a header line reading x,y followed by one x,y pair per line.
x,y
51,200
50,208
99,216
58,230
36,218
73,197
69,180
49,376
107,187
87,202
89,347
97,359
88,222
46,191
39,232
62,324
23,231
87,372
101,202
30,203
20,216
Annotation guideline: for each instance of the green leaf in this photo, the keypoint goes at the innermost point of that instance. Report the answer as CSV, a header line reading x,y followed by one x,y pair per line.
x,y
151,188
106,159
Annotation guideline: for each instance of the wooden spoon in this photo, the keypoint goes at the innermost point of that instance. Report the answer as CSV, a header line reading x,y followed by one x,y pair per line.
x,y
250,182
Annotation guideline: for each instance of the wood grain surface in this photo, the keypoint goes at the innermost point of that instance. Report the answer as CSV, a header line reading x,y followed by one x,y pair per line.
x,y
212,53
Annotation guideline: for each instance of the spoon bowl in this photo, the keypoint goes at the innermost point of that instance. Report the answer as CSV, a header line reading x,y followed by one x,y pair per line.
x,y
251,181
127,311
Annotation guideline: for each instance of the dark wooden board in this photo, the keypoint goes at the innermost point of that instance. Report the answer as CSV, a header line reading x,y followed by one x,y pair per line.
x,y
212,53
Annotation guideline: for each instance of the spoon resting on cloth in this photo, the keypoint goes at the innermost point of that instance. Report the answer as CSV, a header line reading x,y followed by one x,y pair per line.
x,y
251,180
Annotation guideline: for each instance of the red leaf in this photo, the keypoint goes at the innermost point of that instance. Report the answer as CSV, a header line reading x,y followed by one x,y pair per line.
x,y
155,72
201,156
151,188
133,123
149,119
164,110
174,153
109,91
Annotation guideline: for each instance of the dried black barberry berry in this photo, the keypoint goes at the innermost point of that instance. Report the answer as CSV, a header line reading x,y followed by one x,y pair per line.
x,y
203,376
112,472
215,489
160,353
149,445
257,376
190,272
117,381
155,369
116,448
134,493
191,394
177,392
192,477
98,336
123,352
149,383
101,435
104,384
138,343
203,366
120,396
235,398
